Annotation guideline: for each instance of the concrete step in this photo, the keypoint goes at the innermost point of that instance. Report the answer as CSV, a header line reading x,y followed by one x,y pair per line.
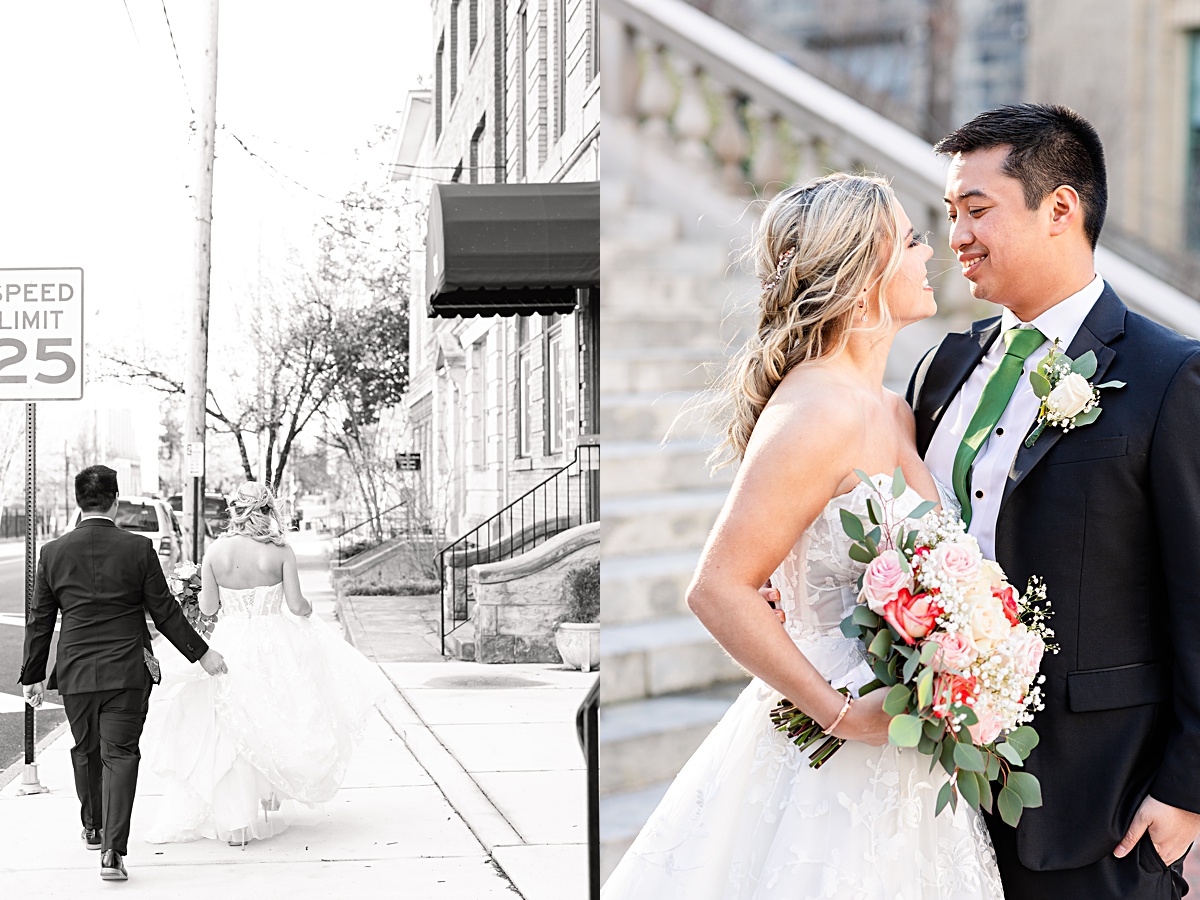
x,y
616,195
666,656
621,818
647,741
625,253
667,331
633,369
641,293
645,587
632,467
639,226
651,416
657,523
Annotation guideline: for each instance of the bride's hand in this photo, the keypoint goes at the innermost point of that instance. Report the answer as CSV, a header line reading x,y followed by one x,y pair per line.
x,y
866,721
771,595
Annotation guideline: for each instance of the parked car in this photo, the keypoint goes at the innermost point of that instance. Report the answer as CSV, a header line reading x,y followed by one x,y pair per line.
x,y
216,512
151,518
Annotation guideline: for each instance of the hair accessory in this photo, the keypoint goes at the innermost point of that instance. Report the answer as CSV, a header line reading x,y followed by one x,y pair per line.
x,y
770,282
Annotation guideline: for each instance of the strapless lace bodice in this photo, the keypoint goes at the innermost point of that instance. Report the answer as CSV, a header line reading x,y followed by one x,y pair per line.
x,y
263,600
817,580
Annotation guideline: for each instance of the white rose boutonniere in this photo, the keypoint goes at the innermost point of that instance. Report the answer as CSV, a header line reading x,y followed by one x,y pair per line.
x,y
1068,398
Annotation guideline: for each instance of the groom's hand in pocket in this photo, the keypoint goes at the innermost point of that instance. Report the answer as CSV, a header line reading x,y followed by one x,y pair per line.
x,y
213,663
1172,830
771,595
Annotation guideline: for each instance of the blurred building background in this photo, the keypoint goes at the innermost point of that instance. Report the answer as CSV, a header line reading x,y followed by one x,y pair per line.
x,y
711,104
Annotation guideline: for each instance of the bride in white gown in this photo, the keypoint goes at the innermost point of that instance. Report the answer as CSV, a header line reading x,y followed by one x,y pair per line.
x,y
281,726
842,272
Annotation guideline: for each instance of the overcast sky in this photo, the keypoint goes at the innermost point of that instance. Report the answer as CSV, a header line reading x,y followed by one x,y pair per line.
x,y
95,154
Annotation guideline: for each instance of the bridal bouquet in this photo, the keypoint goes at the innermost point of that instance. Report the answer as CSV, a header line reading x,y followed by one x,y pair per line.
x,y
956,648
184,584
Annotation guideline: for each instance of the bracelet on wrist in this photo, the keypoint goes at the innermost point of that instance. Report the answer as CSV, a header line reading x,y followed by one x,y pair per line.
x,y
841,715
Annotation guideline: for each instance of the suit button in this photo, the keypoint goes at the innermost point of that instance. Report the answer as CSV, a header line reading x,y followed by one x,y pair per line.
x,y
979,495
999,432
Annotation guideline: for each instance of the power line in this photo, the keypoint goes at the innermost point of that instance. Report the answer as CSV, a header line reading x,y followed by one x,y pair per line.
x,y
129,15
178,62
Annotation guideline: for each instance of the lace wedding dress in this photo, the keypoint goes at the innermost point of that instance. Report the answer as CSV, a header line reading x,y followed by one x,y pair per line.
x,y
747,817
280,726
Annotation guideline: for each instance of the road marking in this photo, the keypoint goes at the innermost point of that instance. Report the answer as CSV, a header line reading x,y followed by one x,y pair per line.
x,y
11,703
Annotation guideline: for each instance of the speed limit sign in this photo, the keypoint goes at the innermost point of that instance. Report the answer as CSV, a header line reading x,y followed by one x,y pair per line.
x,y
41,334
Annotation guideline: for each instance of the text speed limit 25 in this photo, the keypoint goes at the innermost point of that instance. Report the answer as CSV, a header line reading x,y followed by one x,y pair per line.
x,y
41,334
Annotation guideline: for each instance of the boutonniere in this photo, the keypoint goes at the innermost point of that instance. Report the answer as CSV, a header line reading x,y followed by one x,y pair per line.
x,y
1068,398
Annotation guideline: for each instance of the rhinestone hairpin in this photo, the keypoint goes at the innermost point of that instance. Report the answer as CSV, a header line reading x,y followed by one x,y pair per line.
x,y
771,281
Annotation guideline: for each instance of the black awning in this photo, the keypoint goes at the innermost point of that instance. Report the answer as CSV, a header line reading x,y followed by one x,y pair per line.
x,y
511,249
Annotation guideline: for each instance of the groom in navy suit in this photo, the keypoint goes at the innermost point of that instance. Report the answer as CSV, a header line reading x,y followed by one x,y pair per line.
x,y
1108,513
104,580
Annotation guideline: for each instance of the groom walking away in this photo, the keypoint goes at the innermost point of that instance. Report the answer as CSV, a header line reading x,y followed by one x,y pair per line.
x,y
103,579
1108,512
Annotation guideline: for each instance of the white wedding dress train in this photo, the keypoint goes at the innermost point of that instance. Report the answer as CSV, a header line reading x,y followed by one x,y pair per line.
x,y
281,726
747,819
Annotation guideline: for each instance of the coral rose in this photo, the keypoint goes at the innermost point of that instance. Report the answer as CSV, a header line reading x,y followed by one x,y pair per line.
x,y
913,617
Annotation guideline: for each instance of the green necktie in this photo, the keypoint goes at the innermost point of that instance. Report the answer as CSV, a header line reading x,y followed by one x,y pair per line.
x,y
1018,344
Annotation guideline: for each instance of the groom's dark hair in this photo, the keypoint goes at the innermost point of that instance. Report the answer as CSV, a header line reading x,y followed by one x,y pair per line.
x,y
1050,146
96,489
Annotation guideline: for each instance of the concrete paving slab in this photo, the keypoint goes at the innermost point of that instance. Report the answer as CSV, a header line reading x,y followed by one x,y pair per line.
x,y
547,873
523,705
420,674
513,748
543,807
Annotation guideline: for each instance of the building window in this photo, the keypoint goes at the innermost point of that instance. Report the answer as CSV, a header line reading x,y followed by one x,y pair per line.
x,y
594,37
560,65
473,12
453,50
522,92
437,87
529,329
477,405
475,140
1193,175
555,420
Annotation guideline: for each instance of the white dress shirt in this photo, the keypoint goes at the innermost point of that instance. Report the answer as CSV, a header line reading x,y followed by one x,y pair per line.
x,y
999,450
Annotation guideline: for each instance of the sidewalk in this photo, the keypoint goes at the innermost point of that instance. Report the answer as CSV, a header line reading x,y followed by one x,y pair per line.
x,y
473,786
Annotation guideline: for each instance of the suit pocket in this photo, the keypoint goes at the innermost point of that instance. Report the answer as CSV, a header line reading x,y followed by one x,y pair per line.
x,y
1074,449
1093,690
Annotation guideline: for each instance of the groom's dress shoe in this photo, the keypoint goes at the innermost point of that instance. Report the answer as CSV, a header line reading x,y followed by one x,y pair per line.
x,y
111,867
91,837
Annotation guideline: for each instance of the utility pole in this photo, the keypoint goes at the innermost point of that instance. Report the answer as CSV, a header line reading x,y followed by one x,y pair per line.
x,y
197,370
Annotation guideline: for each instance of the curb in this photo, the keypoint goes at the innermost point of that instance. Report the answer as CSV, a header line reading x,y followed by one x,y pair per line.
x,y
15,769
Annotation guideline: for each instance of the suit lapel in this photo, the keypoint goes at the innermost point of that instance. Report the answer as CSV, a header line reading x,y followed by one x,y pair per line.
x,y
957,356
1104,324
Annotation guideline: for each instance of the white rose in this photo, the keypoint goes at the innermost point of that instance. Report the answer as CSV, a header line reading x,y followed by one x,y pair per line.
x,y
1070,396
989,626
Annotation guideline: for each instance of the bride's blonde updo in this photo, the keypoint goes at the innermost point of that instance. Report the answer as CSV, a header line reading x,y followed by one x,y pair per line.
x,y
815,249
253,513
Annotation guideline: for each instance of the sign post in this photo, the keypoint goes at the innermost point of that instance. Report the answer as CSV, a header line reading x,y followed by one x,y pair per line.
x,y
193,468
41,358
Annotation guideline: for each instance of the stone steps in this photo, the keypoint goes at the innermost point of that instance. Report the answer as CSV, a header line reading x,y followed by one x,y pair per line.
x,y
621,818
629,370
645,587
664,656
641,467
657,523
650,416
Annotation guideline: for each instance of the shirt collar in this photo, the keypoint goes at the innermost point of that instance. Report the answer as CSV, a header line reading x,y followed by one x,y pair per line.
x,y
86,516
1064,318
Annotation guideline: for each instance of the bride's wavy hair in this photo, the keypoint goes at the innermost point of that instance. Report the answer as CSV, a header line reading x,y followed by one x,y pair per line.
x,y
253,512
816,248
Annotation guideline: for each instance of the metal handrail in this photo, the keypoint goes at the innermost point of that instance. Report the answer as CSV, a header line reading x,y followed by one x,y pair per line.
x,y
510,532
376,518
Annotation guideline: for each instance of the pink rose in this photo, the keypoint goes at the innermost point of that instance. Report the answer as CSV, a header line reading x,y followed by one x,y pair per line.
x,y
989,726
883,580
961,561
1026,649
957,650
913,617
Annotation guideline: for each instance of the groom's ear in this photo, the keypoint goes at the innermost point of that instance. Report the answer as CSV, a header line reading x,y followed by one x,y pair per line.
x,y
1064,209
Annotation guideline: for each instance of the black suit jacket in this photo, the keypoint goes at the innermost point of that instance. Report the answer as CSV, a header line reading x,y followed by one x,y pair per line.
x,y
1109,515
104,580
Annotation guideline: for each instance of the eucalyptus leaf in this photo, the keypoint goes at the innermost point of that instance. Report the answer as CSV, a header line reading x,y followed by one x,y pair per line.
x,y
1088,417
929,650
906,652
850,628
852,525
1010,753
910,667
968,757
934,728
968,714
1010,806
911,543
1023,739
864,478
947,755
944,797
861,554
874,511
1028,788
1041,386
993,767
874,535
863,616
926,746
872,546
898,483
880,668
920,511
925,689
1085,365
904,731
985,788
897,700
968,787
881,644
